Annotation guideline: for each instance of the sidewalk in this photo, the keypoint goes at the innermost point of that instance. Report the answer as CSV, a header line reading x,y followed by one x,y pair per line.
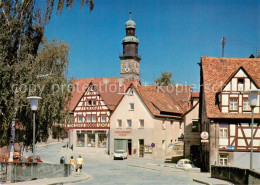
x,y
200,177
210,181
61,180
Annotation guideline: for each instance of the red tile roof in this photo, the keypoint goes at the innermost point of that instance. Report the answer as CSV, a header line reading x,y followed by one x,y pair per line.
x,y
108,88
216,72
163,101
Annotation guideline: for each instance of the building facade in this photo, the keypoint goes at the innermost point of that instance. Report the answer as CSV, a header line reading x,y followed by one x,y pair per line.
x,y
146,116
92,102
192,131
225,111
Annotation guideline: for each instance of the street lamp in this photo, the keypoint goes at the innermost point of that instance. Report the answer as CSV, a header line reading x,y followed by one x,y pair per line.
x,y
34,106
253,99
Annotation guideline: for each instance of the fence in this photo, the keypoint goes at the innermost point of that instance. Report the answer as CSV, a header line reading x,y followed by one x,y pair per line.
x,y
24,171
235,175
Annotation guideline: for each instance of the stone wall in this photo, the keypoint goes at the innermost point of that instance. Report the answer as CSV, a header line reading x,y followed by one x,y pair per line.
x,y
21,171
235,175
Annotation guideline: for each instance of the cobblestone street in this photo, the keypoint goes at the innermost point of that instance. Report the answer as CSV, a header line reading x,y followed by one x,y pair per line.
x,y
104,170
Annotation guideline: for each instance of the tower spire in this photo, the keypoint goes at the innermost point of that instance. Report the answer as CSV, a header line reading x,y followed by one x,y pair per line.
x,y
130,16
130,61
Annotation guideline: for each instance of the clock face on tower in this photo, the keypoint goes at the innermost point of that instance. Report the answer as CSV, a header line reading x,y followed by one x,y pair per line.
x,y
127,69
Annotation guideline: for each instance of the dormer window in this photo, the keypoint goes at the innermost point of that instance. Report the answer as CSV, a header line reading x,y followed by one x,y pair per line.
x,y
233,106
240,84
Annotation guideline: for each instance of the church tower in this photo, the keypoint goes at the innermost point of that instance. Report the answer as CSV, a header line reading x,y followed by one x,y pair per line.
x,y
130,61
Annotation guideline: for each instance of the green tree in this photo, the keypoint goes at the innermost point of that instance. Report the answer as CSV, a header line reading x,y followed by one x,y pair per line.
x,y
24,58
165,79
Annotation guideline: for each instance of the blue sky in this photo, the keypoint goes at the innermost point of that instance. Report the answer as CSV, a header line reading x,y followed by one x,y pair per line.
x,y
173,35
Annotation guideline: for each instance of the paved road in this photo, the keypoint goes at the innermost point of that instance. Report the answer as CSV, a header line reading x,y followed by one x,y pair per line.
x,y
104,170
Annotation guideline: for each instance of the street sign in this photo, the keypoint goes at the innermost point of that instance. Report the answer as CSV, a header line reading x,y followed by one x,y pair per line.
x,y
204,135
230,147
204,140
153,145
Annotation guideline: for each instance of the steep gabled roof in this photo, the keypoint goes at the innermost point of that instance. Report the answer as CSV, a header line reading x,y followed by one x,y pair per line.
x,y
161,102
108,88
234,74
217,72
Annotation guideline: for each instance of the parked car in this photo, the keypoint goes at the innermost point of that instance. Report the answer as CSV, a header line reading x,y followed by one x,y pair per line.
x,y
185,164
120,154
16,157
37,159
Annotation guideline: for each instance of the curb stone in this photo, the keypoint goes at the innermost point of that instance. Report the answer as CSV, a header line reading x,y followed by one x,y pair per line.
x,y
199,181
56,181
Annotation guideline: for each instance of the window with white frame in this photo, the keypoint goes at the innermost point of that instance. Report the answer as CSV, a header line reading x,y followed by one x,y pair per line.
x,y
129,123
246,105
119,123
88,118
94,102
223,131
80,119
141,123
223,159
233,104
103,118
94,118
89,103
131,106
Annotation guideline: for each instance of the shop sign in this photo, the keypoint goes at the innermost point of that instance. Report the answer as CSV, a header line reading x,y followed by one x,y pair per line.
x,y
122,133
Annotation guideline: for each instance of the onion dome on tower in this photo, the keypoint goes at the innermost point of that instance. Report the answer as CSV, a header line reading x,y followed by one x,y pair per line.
x,y
130,42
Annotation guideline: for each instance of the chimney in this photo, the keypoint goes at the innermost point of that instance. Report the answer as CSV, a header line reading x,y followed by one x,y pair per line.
x,y
252,56
258,54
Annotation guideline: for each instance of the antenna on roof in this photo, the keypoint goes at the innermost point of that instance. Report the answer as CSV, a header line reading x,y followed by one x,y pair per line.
x,y
223,41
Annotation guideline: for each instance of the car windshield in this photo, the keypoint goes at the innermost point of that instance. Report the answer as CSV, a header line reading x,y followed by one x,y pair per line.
x,y
119,152
187,162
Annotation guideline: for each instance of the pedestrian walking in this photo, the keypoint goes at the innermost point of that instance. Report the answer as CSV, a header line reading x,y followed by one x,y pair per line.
x,y
79,165
62,160
72,162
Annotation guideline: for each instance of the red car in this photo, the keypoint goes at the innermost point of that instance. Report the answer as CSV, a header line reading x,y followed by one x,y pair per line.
x,y
37,159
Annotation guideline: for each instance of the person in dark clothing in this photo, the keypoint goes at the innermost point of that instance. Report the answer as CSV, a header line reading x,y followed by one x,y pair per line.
x,y
62,160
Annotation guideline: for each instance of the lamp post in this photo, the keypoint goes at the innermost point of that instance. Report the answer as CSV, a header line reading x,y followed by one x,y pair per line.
x,y
34,106
253,99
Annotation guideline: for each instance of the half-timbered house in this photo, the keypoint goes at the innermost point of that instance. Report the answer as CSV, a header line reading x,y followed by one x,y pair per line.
x,y
93,100
225,111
